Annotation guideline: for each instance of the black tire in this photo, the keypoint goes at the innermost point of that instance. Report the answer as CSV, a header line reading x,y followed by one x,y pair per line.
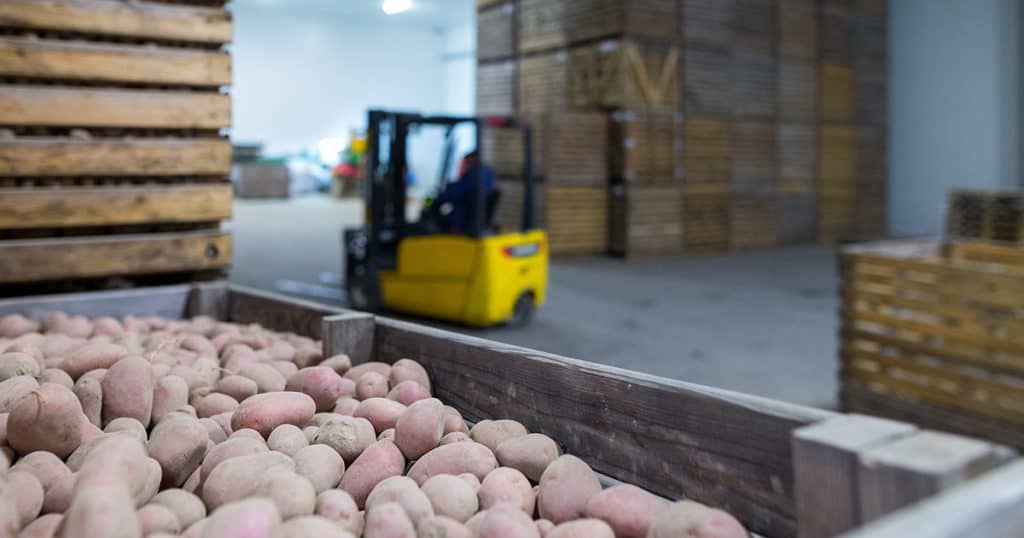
x,y
522,311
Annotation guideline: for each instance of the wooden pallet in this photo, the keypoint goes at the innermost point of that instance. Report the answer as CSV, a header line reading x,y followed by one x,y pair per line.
x,y
709,24
798,30
986,215
797,153
541,25
707,152
753,86
756,27
542,85
755,159
587,20
576,218
569,148
624,73
646,220
707,83
753,221
797,91
496,32
837,21
706,219
646,148
495,88
838,93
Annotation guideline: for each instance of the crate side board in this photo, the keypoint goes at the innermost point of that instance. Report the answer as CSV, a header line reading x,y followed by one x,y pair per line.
x,y
168,301
277,312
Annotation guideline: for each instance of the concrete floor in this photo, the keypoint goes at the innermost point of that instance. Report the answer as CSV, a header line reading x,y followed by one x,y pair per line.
x,y
763,322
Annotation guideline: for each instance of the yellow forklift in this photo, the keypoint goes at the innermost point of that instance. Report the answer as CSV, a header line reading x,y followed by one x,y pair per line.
x,y
481,276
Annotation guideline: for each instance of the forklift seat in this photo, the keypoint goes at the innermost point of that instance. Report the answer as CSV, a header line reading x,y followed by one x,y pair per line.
x,y
491,209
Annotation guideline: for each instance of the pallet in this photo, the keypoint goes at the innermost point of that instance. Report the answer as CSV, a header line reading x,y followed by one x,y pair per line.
x,y
624,73
996,216
496,32
652,20
798,30
753,221
646,148
708,24
838,93
645,220
755,27
754,167
797,153
495,88
261,180
797,91
837,21
753,86
30,156
569,148
707,153
706,219
542,84
575,218
707,83
541,25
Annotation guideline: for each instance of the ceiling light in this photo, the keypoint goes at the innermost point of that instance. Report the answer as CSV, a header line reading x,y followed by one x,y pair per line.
x,y
392,7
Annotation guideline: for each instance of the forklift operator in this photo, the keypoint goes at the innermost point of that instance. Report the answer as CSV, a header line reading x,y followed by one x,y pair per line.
x,y
462,194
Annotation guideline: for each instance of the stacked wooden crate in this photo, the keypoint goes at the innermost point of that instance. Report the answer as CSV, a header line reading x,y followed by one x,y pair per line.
x,y
113,162
995,216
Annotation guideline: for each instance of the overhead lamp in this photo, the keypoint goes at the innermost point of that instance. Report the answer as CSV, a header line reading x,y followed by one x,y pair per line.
x,y
393,7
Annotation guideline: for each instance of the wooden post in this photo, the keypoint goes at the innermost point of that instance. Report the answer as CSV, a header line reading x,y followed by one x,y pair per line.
x,y
826,457
350,333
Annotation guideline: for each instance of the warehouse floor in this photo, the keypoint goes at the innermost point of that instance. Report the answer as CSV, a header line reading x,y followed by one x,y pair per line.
x,y
762,322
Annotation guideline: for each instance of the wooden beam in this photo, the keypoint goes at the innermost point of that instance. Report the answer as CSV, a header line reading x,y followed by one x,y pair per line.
x,y
167,301
21,157
118,18
113,206
676,439
278,312
72,60
826,458
350,333
33,260
58,106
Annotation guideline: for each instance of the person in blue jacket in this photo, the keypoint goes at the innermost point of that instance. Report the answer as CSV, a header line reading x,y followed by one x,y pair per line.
x,y
462,194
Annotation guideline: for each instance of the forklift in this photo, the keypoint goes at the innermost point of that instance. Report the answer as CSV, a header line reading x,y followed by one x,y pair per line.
x,y
481,276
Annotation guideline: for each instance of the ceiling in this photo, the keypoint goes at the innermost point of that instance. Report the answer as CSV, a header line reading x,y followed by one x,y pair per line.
x,y
435,14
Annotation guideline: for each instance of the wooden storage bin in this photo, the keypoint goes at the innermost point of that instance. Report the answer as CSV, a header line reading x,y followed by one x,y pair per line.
x,y
646,220
798,29
986,215
797,214
837,31
646,148
753,86
624,73
496,32
837,165
797,91
575,217
838,93
656,20
541,25
707,152
754,221
569,148
708,24
706,219
542,86
707,83
797,151
495,88
754,167
261,180
871,86
755,26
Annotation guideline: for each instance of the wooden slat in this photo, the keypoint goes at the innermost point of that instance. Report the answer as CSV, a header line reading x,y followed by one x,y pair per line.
x,y
33,260
136,19
112,206
718,447
56,106
70,60
113,157
278,312
167,301
350,333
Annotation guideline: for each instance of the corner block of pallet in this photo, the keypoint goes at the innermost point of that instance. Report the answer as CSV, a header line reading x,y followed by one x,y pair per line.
x,y
826,457
350,333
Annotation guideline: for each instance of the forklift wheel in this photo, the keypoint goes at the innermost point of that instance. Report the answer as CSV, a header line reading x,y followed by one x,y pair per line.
x,y
522,312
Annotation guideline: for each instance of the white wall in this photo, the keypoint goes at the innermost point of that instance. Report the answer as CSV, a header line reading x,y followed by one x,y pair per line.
x,y
955,104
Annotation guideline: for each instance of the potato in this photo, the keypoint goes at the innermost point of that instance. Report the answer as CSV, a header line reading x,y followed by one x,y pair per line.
x,y
287,438
60,377
544,527
565,488
231,448
371,385
321,465
310,432
89,430
154,477
531,454
388,520
453,421
128,390
474,523
89,391
349,436
81,454
236,386
504,519
26,493
266,377
582,528
285,368
452,497
57,498
46,467
379,461
471,480
49,418
408,392
15,325
43,527
9,520
338,506
455,458
15,364
235,478
419,428
107,326
308,355
405,492
213,431
358,370
249,518
14,389
492,433
92,356
128,425
340,363
293,494
264,412
155,518
505,484
442,527
193,483
187,507
322,384
100,511
215,403
381,412
170,393
345,406
387,434
301,527
626,508
178,443
247,433
454,437
691,519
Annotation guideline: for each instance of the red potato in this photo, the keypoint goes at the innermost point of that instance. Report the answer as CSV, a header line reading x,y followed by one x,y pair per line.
x,y
213,431
454,437
321,465
442,527
154,477
15,325
236,386
9,521
310,432
231,448
60,377
293,494
405,492
471,480
387,434
238,361
89,430
224,421
235,478
155,518
531,454
285,368
187,507
340,363
178,444
130,426
13,364
46,467
215,403
452,497
247,433
492,433
339,507
409,370
288,439
456,458
345,406
305,526
14,389
408,392
101,511
388,520
3,428
193,483
357,371
92,356
381,412
25,492
249,518
565,488
57,497
506,485
128,390
308,355
280,350
419,428
48,418
379,461
691,519
266,377
453,421
107,326
371,385
582,528
81,454
503,520
43,527
89,391
626,508
199,344
264,412
322,384
544,527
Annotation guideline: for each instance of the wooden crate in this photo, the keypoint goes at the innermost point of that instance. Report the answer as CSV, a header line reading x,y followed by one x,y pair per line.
x,y
495,88
707,152
756,26
576,218
797,214
646,220
837,165
937,333
707,83
797,91
542,86
541,25
837,216
624,73
646,148
838,93
261,180
871,35
837,31
569,148
706,219
754,164
781,469
587,20
797,153
754,221
496,32
753,86
986,215
798,29
871,86
709,24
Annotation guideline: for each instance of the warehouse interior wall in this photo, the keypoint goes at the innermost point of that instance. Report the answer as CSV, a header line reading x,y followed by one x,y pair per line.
x,y
955,104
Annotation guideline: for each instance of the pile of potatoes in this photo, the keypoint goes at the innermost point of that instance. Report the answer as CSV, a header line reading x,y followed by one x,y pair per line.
x,y
196,428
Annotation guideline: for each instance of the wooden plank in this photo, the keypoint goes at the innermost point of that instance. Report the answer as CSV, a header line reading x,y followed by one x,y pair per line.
x,y
350,333
726,449
31,260
167,301
117,18
43,59
21,157
496,33
919,466
58,106
826,459
112,206
990,506
278,312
